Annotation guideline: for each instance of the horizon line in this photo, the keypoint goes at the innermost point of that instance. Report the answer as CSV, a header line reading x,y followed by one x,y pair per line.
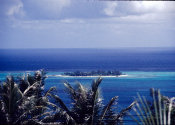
x,y
86,48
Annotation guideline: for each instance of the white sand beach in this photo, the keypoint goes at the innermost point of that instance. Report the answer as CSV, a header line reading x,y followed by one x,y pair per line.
x,y
86,76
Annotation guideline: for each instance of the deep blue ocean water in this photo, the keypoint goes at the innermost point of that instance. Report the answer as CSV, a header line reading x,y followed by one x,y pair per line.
x,y
145,68
125,59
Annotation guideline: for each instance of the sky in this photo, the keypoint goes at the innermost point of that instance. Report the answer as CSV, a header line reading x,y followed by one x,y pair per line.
x,y
86,24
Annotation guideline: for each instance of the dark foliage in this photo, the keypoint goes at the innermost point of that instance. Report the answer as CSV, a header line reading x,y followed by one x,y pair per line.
x,y
94,73
21,103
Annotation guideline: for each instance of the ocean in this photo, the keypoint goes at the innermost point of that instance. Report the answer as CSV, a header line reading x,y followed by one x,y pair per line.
x,y
145,68
124,59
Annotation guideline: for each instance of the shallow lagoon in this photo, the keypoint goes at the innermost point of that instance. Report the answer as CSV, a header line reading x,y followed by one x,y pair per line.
x,y
126,87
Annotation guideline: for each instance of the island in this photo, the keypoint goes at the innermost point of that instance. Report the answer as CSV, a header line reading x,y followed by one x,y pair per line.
x,y
94,73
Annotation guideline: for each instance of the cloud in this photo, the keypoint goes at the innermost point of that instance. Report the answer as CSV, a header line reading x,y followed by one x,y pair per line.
x,y
70,33
72,20
16,9
110,9
140,12
125,8
153,6
45,24
63,9
12,9
66,23
32,9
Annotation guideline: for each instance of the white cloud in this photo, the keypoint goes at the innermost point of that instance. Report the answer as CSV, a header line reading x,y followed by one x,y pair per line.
x,y
110,9
45,24
153,6
37,8
125,8
13,8
72,20
140,12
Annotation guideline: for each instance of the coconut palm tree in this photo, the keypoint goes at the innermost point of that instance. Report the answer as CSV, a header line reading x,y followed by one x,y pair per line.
x,y
25,102
156,112
10,95
87,107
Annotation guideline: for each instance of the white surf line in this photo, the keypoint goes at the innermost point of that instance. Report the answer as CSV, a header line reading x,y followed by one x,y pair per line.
x,y
85,76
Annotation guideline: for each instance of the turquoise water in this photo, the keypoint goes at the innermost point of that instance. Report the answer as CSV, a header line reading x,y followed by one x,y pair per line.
x,y
125,87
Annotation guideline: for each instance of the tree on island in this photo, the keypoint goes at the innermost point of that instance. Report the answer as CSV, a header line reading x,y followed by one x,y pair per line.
x,y
94,73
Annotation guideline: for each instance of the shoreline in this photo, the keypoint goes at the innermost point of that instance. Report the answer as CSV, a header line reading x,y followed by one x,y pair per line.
x,y
86,76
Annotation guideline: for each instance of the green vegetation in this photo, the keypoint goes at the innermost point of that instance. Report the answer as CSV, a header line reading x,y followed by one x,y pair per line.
x,y
24,101
94,73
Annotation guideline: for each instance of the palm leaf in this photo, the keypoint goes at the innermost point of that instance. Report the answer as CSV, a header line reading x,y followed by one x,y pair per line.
x,y
71,91
124,111
50,90
107,107
156,115
95,96
61,103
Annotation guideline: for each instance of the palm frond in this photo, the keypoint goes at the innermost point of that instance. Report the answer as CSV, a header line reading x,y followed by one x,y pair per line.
x,y
60,116
31,88
71,91
95,96
29,111
82,91
169,109
61,103
124,111
107,107
50,90
95,85
155,114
